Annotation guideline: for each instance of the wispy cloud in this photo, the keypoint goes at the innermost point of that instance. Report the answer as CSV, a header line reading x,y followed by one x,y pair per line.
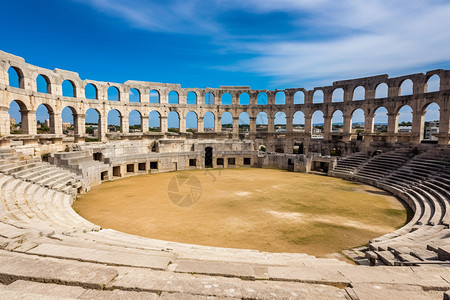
x,y
357,38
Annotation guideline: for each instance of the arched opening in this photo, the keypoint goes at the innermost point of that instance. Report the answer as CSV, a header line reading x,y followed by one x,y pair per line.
x,y
92,125
317,124
431,122
68,89
135,121
68,121
227,99
406,88
358,122
338,95
113,94
17,112
280,98
244,99
154,121
44,119
154,96
114,121
433,84
280,122
191,98
299,98
261,99
405,119
298,121
173,121
244,122
381,90
318,96
208,122
209,98
262,122
134,95
90,91
337,121
380,120
16,78
208,157
226,122
173,97
43,84
359,93
191,122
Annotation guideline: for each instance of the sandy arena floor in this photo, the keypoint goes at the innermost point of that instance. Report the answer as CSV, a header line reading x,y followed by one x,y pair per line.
x,y
268,210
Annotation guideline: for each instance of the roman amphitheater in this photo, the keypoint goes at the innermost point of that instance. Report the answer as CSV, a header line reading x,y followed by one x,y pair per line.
x,y
48,249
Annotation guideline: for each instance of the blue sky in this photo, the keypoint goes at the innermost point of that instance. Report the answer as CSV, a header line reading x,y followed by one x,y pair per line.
x,y
263,44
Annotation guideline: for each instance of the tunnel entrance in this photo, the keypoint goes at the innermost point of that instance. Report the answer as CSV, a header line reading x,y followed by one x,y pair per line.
x,y
208,157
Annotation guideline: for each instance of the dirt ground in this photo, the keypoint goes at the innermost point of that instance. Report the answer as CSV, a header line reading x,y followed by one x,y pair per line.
x,y
268,210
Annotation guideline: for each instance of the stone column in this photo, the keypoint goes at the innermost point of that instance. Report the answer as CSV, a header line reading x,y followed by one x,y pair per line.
x,y
55,120
144,123
270,123
102,127
327,127
444,126
308,124
392,127
253,98
289,121
347,128
124,124
289,98
182,123
271,97
218,124
79,124
28,121
5,127
417,129
368,125
200,125
163,125
235,127
252,125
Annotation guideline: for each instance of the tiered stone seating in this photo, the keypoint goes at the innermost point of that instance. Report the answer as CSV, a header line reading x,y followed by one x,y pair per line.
x,y
347,167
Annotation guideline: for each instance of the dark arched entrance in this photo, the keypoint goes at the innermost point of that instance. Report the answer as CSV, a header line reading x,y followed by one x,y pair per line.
x,y
208,157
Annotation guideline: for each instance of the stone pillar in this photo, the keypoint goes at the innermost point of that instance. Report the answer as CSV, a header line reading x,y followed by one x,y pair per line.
x,y
200,125
327,127
271,98
370,93
368,123
347,128
182,123
253,98
252,125
182,99
348,94
163,125
289,98
218,124
79,124
327,96
144,123
392,127
289,121
393,91
308,124
102,127
55,120
309,95
270,123
164,97
235,127
124,124
28,121
5,128
145,96
444,126
417,130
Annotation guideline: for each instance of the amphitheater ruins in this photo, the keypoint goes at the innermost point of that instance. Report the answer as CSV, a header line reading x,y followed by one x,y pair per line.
x,y
48,249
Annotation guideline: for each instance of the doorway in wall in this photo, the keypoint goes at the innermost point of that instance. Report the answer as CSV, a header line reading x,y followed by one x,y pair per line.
x,y
208,157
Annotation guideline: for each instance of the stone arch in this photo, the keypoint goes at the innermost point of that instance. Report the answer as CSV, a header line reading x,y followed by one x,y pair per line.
x,y
244,99
191,97
338,95
69,88
244,122
405,118
380,119
227,99
45,122
174,98
173,121
359,93
16,77
262,98
114,121
191,121
280,98
209,98
209,121
69,124
337,121
226,121
357,123
93,123
135,121
154,122
382,90
113,93
406,87
154,96
19,112
134,95
433,84
280,121
43,84
262,122
317,124
318,96
91,91
299,97
298,121
431,118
